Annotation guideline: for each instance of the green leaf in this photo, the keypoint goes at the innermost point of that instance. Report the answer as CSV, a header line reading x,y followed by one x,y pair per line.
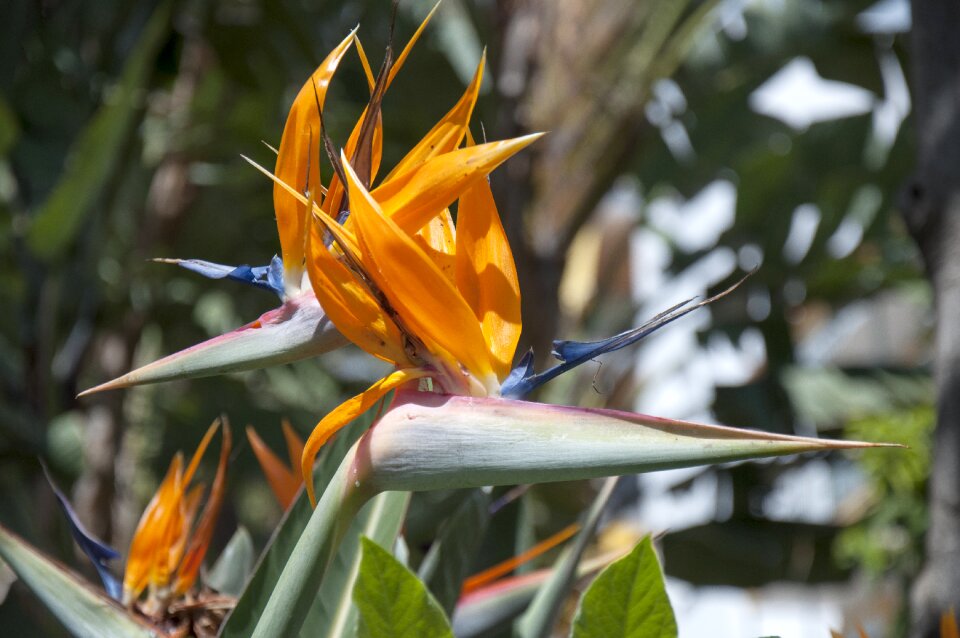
x,y
229,574
627,599
83,610
96,152
244,617
333,612
392,601
540,617
451,556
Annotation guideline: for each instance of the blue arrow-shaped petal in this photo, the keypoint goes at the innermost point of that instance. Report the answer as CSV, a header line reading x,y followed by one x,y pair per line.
x,y
96,550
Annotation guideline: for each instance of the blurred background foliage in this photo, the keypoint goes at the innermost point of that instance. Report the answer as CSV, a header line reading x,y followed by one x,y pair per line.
x,y
675,163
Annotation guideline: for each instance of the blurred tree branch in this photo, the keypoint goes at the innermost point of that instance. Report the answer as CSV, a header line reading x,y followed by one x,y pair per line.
x,y
932,212
585,70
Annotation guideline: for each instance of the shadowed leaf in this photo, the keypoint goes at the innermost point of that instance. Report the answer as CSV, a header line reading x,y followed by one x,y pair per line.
x,y
84,611
540,617
229,574
96,152
451,555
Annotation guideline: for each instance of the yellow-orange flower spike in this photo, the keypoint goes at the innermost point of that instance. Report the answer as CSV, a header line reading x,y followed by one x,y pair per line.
x,y
164,555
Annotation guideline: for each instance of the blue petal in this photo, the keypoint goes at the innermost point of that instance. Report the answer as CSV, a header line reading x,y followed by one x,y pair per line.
x,y
522,380
513,385
585,350
275,274
97,551
265,277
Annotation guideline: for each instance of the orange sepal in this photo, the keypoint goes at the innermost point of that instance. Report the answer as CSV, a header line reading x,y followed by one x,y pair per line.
x,y
344,414
486,275
331,202
446,134
199,452
282,480
948,625
175,539
438,239
365,63
349,304
402,58
411,198
161,535
203,533
418,291
487,576
147,543
298,161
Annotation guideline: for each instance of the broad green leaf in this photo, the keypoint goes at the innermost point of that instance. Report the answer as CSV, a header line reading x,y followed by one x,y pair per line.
x,y
232,569
540,617
96,153
84,611
627,599
452,554
333,613
250,606
392,601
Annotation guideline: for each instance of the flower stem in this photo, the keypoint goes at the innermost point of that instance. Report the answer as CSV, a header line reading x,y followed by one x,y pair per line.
x,y
301,577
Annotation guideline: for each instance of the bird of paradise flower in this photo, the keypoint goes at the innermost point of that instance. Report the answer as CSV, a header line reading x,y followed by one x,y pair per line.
x,y
169,544
384,266
170,541
388,269
300,327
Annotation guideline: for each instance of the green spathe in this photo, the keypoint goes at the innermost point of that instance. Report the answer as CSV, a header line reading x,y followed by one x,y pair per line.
x,y
627,600
297,330
427,441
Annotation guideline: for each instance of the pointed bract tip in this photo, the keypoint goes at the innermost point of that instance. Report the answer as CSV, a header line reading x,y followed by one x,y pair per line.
x,y
456,441
115,384
296,330
529,138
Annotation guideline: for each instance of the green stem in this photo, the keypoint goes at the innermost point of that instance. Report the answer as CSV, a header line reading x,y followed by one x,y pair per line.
x,y
302,575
